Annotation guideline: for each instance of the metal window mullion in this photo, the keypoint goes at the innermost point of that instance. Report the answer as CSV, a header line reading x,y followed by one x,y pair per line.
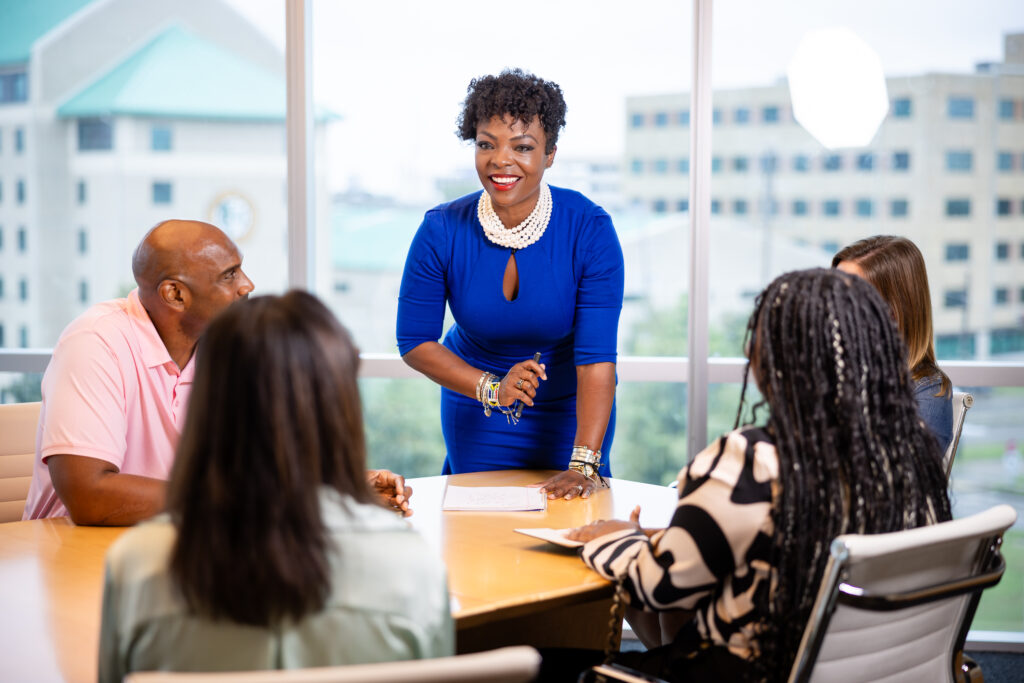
x,y
700,215
300,130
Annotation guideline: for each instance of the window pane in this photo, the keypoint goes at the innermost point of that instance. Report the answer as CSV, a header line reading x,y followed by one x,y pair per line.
x,y
203,84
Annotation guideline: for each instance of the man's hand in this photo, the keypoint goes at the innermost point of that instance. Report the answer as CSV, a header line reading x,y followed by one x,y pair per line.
x,y
391,487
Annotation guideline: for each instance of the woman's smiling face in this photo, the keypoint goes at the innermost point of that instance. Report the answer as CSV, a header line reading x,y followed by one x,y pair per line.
x,y
510,161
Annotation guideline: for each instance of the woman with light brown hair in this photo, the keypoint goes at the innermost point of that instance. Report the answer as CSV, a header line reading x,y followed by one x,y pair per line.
x,y
895,266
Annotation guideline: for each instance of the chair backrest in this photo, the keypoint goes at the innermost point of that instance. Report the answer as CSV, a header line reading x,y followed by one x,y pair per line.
x,y
505,665
17,456
897,606
962,402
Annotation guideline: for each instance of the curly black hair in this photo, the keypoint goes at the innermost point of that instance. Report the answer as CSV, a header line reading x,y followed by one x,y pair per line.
x,y
515,93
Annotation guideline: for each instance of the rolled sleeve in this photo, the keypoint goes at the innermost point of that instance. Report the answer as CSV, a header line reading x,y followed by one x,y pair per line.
x,y
599,297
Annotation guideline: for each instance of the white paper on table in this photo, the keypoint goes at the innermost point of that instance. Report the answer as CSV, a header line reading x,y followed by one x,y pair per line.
x,y
556,536
495,498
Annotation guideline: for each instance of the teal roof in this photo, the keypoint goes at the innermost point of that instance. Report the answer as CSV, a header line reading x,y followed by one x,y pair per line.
x,y
180,75
23,22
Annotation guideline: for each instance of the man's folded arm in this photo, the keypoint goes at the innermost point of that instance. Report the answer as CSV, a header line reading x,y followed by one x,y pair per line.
x,y
95,492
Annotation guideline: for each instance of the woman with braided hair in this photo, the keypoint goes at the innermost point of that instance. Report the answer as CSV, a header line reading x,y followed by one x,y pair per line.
x,y
840,450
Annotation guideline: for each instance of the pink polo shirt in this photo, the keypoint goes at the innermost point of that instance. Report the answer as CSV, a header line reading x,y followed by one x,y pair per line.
x,y
112,392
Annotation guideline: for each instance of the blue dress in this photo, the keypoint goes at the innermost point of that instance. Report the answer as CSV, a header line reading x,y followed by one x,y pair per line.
x,y
567,308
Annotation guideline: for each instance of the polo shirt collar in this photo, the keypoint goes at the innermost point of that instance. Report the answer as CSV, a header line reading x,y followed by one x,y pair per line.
x,y
154,353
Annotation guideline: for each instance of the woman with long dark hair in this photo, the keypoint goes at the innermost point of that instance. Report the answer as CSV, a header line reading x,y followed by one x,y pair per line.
x,y
275,552
895,266
841,450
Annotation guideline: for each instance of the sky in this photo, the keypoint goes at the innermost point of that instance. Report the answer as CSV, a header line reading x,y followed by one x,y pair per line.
x,y
396,70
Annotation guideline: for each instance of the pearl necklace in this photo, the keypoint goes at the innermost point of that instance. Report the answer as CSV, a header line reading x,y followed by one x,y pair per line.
x,y
524,234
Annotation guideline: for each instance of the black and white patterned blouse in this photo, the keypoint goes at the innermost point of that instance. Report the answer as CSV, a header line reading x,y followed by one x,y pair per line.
x,y
713,557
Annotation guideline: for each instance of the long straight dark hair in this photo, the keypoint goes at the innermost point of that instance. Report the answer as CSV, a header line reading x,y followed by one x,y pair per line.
x,y
275,414
853,455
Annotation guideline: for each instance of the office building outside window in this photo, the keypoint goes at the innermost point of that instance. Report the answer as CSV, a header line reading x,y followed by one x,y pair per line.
x,y
866,161
799,207
660,119
1001,296
1004,161
83,292
683,117
716,116
22,289
739,164
19,140
19,191
683,165
958,208
23,336
864,208
960,107
22,240
160,138
830,208
901,108
80,192
899,208
659,206
636,166
1006,109
770,115
1002,251
901,161
769,163
955,298
83,241
636,120
801,163
741,116
683,205
716,164
739,207
716,206
833,162
1004,207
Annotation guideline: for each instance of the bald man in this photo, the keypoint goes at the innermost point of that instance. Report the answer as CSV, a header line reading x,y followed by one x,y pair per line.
x,y
116,389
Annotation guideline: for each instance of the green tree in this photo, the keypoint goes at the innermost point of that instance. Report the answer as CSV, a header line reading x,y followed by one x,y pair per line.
x,y
25,389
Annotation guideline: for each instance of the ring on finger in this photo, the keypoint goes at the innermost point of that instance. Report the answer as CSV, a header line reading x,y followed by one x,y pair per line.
x,y
519,384
579,488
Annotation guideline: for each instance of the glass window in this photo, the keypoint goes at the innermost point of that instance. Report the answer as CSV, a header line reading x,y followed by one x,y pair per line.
x,y
636,120
23,289
769,162
683,165
1,291
901,108
716,164
741,115
95,134
957,252
13,87
866,161
899,208
19,191
161,193
1002,251
1006,109
833,162
864,207
1004,161
739,207
660,119
23,336
716,116
739,164
19,140
901,161
22,239
2,240
83,241
1,335
799,207
960,107
959,160
801,163
1001,296
160,139
683,205
716,206
770,114
955,298
80,192
830,208
683,117
661,166
1,191
659,206
1020,295
958,207
636,166
1004,207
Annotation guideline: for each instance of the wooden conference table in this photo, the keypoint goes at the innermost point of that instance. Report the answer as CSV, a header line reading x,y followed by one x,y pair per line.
x,y
506,588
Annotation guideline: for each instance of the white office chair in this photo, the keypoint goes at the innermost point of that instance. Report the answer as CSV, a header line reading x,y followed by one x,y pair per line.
x,y
897,606
962,402
505,665
17,456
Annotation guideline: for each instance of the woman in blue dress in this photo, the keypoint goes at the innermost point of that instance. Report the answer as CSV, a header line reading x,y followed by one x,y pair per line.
x,y
529,272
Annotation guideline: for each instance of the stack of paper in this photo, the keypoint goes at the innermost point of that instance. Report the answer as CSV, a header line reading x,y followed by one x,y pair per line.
x,y
494,498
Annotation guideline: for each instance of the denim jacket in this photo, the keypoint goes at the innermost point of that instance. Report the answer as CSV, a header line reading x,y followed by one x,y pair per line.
x,y
935,411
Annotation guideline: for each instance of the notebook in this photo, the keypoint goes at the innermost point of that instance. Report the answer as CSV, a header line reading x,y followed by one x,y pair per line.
x,y
495,498
556,536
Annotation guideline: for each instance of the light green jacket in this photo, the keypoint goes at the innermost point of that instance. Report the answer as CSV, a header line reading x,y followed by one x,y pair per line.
x,y
389,601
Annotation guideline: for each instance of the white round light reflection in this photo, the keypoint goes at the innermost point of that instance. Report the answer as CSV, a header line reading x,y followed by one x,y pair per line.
x,y
837,87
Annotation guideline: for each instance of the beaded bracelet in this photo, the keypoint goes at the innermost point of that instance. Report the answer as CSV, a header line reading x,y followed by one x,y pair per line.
x,y
487,389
